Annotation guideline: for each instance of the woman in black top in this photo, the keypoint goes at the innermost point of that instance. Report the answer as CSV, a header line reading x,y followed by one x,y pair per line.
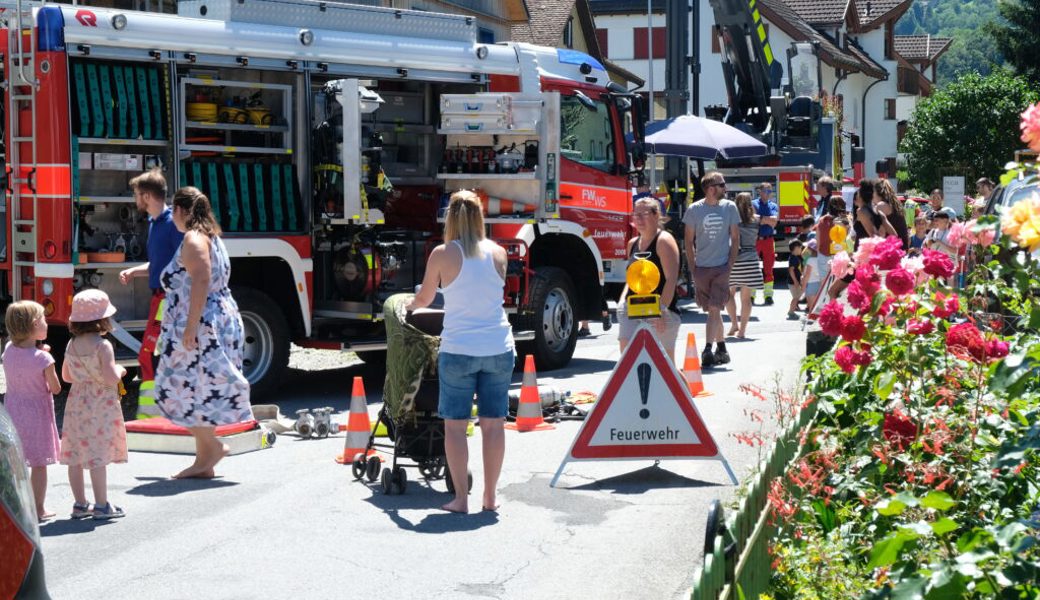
x,y
659,247
868,222
887,203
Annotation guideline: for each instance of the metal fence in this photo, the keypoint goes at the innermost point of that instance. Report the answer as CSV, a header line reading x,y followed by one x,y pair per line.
x,y
736,552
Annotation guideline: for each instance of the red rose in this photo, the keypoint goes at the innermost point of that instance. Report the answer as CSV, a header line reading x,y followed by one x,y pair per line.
x,y
996,349
887,254
853,328
831,319
919,327
862,358
899,281
946,306
899,429
869,280
845,357
937,264
886,306
858,297
965,340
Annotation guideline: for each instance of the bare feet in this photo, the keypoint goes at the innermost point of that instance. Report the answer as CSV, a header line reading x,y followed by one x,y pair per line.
x,y
490,503
43,514
195,472
731,332
457,505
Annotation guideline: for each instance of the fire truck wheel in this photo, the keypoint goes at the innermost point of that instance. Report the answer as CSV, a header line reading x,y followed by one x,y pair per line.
x,y
552,318
265,349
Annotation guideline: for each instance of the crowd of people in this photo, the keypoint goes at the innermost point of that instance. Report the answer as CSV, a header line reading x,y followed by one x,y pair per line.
x,y
193,351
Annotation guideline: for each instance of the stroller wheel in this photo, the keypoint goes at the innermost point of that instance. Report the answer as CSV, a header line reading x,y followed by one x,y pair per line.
x,y
387,481
373,468
357,466
451,484
400,480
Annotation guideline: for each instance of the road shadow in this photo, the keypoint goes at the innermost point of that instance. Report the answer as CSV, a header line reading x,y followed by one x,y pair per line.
x,y
424,497
164,486
648,478
71,526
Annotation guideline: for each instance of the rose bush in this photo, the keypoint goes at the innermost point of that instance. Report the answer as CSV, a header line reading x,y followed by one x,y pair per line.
x,y
919,477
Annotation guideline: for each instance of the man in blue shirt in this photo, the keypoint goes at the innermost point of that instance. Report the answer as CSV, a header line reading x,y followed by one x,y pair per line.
x,y
768,216
163,241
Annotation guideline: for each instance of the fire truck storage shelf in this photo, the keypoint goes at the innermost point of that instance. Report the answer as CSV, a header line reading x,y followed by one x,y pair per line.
x,y
207,103
121,142
99,266
524,175
106,199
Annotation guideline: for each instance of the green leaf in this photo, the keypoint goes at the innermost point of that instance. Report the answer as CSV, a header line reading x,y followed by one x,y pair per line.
x,y
825,515
911,588
883,384
919,528
886,550
947,584
890,507
944,525
938,500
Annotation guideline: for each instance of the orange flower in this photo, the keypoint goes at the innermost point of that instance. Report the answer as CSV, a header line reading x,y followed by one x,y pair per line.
x,y
1022,222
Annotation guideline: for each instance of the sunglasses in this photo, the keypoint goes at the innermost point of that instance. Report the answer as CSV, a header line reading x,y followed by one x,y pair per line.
x,y
723,184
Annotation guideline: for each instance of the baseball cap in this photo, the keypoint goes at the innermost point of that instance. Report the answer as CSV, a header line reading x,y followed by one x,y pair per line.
x,y
946,212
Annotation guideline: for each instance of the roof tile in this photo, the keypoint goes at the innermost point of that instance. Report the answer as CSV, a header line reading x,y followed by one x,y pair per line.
x,y
819,11
921,48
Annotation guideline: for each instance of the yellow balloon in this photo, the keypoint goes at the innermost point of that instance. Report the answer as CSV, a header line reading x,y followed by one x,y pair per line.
x,y
838,233
642,276
836,247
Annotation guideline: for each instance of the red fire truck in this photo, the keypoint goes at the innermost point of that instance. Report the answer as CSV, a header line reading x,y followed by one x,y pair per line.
x,y
326,137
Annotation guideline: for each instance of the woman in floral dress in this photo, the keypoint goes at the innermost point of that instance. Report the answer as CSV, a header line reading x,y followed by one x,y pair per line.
x,y
199,382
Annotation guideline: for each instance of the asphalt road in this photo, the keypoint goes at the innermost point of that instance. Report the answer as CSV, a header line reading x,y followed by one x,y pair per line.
x,y
290,522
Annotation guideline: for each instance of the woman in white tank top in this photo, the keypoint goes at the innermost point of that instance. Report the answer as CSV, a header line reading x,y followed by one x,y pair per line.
x,y
477,352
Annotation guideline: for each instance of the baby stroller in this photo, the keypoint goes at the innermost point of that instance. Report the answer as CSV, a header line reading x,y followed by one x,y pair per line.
x,y
410,395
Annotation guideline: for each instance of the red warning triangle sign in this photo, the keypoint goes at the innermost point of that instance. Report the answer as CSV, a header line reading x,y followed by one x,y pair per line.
x,y
645,411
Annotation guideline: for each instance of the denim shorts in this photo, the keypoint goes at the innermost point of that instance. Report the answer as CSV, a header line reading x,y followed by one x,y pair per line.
x,y
463,376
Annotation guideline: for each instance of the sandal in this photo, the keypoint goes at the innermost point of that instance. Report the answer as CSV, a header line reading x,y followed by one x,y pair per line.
x,y
584,332
81,511
110,512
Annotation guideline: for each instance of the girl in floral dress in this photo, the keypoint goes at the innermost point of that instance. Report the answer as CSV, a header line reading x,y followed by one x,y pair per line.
x,y
93,434
31,384
199,382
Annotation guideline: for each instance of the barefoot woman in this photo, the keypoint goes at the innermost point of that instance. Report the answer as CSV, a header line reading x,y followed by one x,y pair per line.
x,y
476,355
199,383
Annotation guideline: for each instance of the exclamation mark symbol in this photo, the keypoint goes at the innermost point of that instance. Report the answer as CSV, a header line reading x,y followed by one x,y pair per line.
x,y
643,372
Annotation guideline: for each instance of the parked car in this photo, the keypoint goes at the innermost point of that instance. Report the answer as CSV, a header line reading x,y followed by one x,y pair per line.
x,y
1006,196
22,573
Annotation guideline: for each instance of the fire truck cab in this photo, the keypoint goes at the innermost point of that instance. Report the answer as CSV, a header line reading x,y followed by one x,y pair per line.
x,y
327,138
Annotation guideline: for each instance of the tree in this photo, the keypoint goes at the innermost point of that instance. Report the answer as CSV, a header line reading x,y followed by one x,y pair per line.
x,y
1016,37
968,127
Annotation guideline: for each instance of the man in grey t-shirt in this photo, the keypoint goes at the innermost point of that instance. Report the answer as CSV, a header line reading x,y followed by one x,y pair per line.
x,y
712,241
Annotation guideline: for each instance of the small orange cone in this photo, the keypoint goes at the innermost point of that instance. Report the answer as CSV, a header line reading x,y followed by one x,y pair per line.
x,y
358,425
692,368
494,206
529,410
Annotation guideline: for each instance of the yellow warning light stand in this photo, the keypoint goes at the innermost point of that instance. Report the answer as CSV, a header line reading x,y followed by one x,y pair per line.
x,y
642,277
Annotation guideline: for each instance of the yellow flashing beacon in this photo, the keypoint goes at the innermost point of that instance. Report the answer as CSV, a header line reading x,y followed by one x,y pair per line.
x,y
643,277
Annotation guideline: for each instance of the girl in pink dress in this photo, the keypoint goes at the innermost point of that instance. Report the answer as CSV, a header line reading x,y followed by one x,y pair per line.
x,y
93,434
31,384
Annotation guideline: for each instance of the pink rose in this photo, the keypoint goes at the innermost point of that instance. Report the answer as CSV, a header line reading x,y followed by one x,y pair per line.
x,y
862,358
853,328
831,318
865,249
937,264
869,279
887,254
919,327
1031,127
840,264
958,235
886,308
996,349
845,357
899,281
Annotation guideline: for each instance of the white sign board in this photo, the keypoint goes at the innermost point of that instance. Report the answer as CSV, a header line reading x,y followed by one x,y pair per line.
x,y
644,412
953,194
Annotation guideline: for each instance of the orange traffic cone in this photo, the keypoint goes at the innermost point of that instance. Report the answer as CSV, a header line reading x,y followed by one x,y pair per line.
x,y
358,425
692,368
529,410
501,206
